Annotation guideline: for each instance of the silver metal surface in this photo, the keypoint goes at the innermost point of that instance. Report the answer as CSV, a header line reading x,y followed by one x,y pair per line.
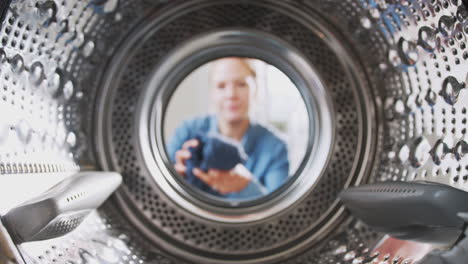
x,y
8,251
62,208
102,238
396,72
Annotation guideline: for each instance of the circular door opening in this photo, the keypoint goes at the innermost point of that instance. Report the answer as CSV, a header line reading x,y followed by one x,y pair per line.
x,y
307,89
236,129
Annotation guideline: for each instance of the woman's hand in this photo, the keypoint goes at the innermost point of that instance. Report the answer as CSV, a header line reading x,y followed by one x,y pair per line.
x,y
183,154
224,182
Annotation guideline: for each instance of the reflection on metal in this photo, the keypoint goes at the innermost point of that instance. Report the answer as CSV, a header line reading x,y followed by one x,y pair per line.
x,y
62,208
409,63
102,238
400,251
9,254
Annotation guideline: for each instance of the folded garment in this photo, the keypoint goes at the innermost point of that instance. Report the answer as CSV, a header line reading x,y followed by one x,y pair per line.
x,y
213,152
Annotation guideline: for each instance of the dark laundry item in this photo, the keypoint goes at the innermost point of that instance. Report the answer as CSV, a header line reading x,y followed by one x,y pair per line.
x,y
213,152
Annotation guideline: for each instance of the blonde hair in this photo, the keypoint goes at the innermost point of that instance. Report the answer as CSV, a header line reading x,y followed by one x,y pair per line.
x,y
247,62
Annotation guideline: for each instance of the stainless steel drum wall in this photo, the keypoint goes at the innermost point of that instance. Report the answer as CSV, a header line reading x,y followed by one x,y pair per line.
x,y
413,53
311,217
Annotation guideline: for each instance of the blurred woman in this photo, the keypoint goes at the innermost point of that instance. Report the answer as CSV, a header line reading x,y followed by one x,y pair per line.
x,y
232,87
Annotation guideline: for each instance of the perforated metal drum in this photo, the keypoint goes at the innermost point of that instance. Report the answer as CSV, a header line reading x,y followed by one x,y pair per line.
x,y
84,83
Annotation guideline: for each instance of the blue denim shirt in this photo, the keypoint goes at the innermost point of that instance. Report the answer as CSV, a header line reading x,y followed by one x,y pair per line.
x,y
267,155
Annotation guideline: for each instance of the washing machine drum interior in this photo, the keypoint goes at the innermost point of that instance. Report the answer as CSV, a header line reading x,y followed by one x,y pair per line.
x,y
346,93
